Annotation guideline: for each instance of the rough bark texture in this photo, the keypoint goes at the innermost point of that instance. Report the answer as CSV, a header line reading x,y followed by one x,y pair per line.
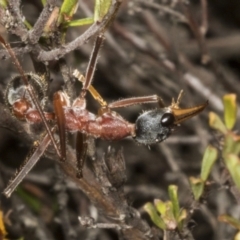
x,y
152,47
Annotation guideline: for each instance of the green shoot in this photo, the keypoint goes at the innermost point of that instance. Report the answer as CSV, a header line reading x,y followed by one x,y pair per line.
x,y
167,215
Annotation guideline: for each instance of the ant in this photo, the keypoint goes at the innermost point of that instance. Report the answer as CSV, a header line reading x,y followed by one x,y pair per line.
x,y
151,127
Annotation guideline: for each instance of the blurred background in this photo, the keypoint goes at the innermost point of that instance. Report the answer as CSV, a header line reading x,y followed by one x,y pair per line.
x,y
153,47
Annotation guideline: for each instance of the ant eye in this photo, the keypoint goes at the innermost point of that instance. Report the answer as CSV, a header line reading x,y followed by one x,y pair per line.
x,y
167,119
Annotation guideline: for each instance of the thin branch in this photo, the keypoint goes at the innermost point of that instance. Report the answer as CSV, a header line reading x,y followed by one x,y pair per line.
x,y
35,33
204,24
18,51
108,201
91,31
197,84
200,37
16,24
165,9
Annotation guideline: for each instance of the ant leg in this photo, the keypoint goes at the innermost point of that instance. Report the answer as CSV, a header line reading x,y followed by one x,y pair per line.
x,y
95,94
137,100
121,103
81,152
59,101
81,143
88,80
30,91
92,65
28,164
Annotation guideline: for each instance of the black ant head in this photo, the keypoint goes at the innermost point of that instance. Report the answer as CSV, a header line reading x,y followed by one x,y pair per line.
x,y
154,126
157,125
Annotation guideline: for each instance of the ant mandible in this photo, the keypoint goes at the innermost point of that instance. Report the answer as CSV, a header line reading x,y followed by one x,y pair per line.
x,y
151,127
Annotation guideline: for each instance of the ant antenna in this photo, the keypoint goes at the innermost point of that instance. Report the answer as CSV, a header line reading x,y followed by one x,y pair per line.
x,y
177,103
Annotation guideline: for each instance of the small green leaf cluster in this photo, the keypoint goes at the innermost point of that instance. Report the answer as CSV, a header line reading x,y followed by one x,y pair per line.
x,y
63,17
230,150
167,215
231,142
69,7
3,3
198,184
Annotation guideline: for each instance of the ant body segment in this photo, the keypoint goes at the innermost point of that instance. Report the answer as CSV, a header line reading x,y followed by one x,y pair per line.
x,y
19,101
151,127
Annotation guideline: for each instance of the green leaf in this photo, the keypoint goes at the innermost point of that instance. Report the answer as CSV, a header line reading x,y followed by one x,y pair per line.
x,y
3,3
172,192
80,22
166,211
181,218
237,148
101,9
216,123
231,144
169,210
44,2
67,11
197,186
31,201
230,110
230,220
69,7
233,164
27,24
156,219
209,158
168,218
183,214
160,206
